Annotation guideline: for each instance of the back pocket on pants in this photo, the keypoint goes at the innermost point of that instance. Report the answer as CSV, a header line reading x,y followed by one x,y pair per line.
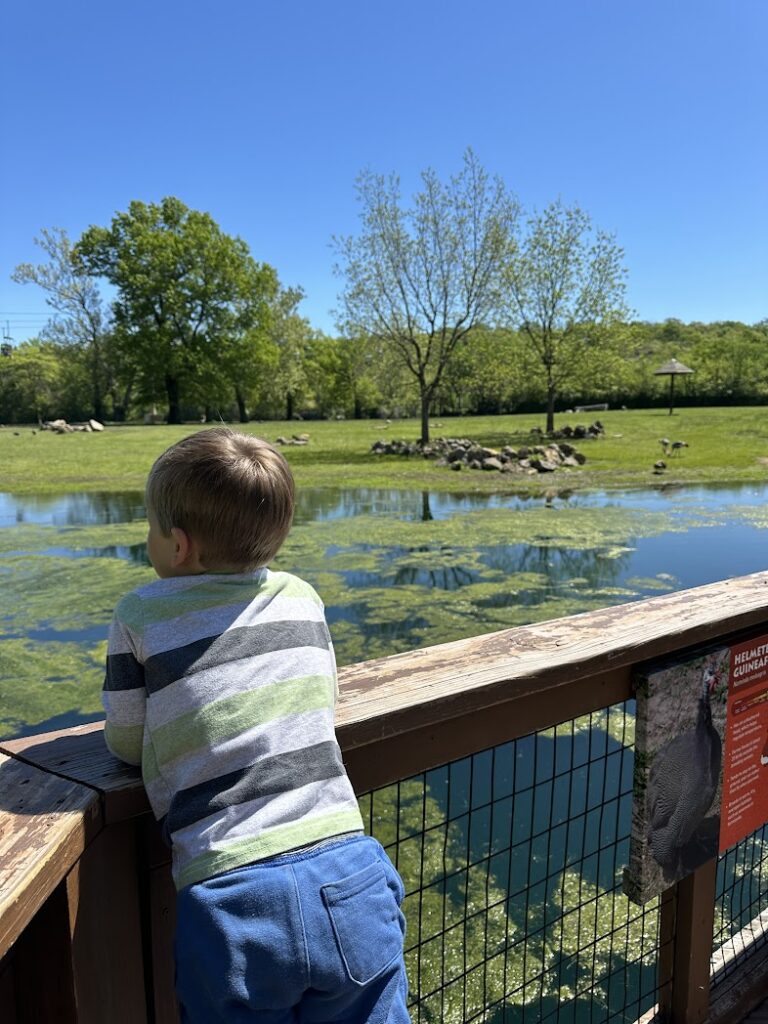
x,y
366,921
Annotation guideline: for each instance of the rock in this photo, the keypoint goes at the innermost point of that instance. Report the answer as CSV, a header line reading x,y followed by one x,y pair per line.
x,y
543,465
569,460
95,425
565,448
492,463
456,465
523,453
581,459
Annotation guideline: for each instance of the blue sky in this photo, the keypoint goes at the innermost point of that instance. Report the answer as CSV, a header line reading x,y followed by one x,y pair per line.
x,y
652,115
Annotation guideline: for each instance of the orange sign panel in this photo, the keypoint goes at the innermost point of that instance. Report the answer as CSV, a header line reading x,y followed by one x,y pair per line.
x,y
745,767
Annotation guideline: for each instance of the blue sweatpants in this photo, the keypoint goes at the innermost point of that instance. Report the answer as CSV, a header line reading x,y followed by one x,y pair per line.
x,y
313,937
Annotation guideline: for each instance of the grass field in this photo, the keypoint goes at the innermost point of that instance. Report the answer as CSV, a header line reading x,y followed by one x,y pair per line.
x,y
725,446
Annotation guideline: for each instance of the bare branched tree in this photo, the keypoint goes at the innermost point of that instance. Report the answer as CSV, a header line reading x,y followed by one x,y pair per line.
x,y
420,278
79,316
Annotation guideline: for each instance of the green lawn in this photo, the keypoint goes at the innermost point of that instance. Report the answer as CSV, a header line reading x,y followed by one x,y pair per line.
x,y
726,445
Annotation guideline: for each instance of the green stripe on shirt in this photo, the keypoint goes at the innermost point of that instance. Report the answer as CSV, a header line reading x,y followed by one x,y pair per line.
x,y
125,741
215,722
268,844
217,594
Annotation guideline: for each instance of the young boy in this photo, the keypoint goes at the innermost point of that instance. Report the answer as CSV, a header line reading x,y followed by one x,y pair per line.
x,y
221,683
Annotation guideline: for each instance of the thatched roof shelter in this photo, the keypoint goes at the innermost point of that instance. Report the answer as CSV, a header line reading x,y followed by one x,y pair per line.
x,y
672,369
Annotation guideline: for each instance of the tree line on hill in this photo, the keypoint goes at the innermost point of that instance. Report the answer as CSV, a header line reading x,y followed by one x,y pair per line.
x,y
325,377
458,303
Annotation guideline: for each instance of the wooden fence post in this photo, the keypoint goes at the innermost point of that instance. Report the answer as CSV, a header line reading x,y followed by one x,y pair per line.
x,y
694,917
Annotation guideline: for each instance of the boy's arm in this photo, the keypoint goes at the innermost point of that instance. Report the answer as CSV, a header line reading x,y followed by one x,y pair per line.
x,y
124,695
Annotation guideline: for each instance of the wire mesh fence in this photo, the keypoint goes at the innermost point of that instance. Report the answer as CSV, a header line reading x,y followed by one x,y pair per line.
x,y
512,861
741,907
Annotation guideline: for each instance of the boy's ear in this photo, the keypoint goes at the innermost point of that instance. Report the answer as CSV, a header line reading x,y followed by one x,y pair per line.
x,y
182,546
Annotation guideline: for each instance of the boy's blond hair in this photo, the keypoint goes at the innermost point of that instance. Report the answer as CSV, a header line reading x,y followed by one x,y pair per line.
x,y
233,493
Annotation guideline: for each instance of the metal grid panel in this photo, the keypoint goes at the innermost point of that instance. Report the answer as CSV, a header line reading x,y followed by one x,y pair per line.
x,y
512,861
741,907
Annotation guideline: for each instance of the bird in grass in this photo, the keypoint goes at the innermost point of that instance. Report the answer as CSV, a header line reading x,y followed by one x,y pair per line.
x,y
665,443
683,782
659,467
677,446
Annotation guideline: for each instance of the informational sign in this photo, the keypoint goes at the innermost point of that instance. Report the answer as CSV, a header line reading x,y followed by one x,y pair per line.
x,y
745,777
679,740
701,762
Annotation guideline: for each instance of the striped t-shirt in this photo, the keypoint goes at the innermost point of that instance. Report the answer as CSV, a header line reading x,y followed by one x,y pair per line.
x,y
223,688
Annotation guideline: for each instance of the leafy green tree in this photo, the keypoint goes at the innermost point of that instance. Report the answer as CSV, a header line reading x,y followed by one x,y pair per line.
x,y
342,372
80,319
565,291
418,279
186,292
291,334
490,373
30,382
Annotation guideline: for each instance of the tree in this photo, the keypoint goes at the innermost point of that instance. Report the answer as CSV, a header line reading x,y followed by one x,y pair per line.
x,y
29,385
565,290
80,319
420,279
186,292
291,334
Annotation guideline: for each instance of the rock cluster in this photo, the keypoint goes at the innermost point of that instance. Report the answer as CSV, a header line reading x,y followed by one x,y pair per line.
x,y
461,453
296,439
62,427
579,432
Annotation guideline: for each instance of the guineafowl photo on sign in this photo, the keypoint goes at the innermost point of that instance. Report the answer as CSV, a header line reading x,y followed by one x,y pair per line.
x,y
678,775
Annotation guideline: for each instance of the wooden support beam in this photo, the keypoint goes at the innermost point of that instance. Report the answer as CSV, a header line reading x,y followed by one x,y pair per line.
x,y
694,926
106,939
42,966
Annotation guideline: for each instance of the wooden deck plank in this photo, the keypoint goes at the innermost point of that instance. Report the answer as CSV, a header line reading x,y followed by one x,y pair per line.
x,y
45,825
80,754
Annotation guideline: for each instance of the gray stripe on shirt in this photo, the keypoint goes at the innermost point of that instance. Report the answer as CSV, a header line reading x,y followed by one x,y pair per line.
x,y
240,642
280,773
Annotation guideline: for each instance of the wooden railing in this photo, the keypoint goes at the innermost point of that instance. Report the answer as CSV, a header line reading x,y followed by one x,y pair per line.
x,y
86,898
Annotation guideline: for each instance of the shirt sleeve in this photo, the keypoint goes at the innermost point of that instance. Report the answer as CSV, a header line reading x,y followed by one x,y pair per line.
x,y
124,695
333,665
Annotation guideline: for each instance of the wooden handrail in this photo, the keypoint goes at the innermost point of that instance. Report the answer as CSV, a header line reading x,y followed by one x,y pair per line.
x,y
397,716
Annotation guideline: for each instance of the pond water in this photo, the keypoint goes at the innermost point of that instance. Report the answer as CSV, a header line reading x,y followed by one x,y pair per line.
x,y
399,570
396,570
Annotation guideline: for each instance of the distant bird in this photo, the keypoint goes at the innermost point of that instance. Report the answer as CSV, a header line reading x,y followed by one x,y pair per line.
x,y
683,782
659,466
677,446
665,443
